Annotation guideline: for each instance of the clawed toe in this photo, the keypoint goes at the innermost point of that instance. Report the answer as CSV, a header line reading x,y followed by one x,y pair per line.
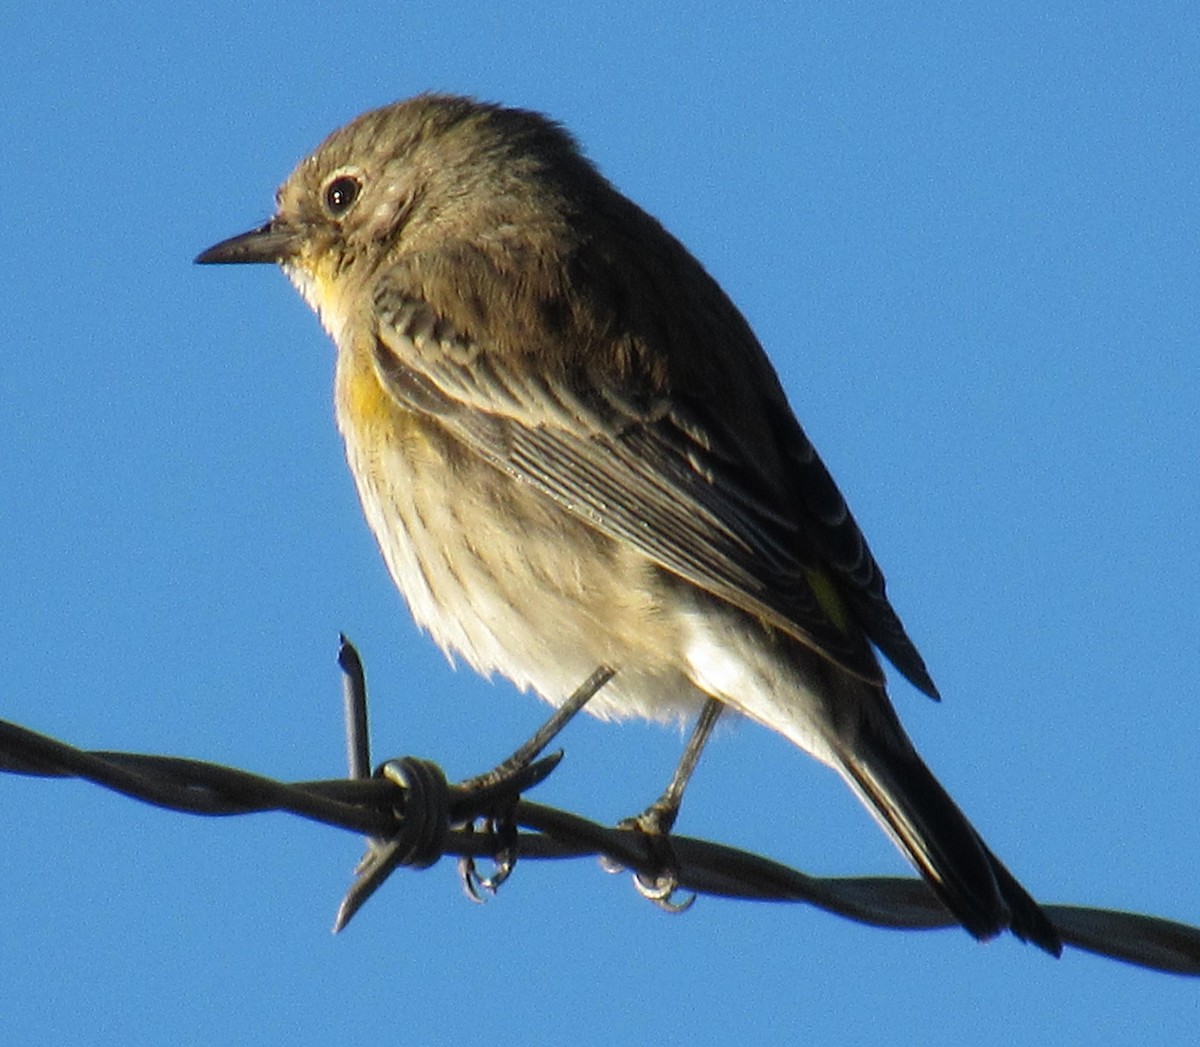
x,y
661,888
477,886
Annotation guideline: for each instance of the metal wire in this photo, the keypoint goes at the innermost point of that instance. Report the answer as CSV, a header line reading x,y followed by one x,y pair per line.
x,y
413,817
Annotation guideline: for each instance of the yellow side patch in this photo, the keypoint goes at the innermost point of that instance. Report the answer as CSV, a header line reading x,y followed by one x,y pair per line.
x,y
360,396
369,416
829,598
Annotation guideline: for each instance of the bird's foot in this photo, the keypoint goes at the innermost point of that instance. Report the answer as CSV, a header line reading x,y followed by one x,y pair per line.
x,y
479,887
505,780
662,886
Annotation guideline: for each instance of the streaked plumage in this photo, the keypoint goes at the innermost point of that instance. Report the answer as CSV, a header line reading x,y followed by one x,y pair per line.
x,y
574,452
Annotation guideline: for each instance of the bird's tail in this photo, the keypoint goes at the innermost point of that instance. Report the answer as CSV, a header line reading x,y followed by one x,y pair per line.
x,y
918,814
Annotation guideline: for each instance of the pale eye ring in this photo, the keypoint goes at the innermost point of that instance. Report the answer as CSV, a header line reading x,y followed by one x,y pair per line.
x,y
341,193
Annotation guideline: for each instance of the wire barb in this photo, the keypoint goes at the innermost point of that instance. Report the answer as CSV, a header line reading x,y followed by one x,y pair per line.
x,y
417,844
354,702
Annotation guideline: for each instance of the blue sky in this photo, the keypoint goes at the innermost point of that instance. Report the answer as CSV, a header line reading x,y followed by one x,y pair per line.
x,y
967,237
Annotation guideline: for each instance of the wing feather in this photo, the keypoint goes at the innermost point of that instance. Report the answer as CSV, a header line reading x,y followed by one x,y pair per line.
x,y
660,474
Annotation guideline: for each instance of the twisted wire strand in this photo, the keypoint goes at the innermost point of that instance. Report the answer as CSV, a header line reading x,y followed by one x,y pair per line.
x,y
386,810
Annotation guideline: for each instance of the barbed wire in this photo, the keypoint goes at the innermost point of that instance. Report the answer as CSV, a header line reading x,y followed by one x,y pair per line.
x,y
413,816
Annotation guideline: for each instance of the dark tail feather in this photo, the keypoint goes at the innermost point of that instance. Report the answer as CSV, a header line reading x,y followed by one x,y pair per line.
x,y
926,825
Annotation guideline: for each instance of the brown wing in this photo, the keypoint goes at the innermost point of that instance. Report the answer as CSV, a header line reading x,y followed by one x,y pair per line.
x,y
661,472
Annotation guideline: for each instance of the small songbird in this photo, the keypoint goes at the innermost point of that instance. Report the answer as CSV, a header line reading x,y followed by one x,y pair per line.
x,y
574,453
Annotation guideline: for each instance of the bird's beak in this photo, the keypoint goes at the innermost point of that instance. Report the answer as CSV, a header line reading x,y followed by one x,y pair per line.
x,y
274,242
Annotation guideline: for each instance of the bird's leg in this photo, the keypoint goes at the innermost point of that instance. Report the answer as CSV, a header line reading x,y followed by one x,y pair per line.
x,y
500,821
657,820
545,734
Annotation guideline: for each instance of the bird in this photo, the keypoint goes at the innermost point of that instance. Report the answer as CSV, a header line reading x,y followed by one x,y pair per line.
x,y
574,453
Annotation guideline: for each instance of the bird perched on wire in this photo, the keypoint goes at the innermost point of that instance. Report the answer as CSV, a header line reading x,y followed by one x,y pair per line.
x,y
574,453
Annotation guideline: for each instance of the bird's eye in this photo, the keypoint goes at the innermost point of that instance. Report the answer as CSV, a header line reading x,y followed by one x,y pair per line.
x,y
341,193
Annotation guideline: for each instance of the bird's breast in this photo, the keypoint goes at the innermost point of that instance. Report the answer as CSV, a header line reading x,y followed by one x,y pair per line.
x,y
499,573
